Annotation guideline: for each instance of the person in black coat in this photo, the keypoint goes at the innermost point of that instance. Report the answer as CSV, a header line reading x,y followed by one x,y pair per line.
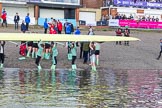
x,y
16,20
65,25
72,28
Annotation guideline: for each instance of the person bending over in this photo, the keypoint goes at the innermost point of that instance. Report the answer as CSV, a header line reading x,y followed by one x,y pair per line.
x,y
54,55
39,55
74,54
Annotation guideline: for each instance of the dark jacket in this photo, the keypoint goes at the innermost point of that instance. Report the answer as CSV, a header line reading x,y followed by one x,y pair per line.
x,y
23,27
72,27
65,24
16,19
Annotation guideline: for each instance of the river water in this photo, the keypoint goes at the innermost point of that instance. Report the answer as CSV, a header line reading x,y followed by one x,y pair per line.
x,y
80,89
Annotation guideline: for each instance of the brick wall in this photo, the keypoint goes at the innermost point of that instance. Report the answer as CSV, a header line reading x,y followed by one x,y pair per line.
x,y
92,3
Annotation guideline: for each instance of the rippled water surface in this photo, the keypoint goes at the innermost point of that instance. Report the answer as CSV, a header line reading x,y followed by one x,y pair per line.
x,y
81,89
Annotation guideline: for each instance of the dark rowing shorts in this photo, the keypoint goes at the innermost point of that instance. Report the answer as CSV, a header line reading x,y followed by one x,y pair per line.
x,y
47,46
30,44
35,45
97,52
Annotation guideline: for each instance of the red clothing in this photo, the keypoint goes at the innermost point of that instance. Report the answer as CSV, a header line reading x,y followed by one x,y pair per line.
x,y
51,30
59,25
118,33
22,49
54,32
4,15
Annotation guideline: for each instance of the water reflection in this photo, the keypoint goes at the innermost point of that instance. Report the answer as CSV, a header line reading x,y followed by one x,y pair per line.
x,y
1,79
63,88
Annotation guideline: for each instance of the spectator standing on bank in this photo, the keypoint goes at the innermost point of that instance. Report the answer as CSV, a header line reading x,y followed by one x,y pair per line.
x,y
51,21
4,17
65,25
27,21
59,25
91,31
157,19
131,16
77,31
68,29
143,18
72,28
117,16
153,19
54,21
45,26
16,20
3,10
124,17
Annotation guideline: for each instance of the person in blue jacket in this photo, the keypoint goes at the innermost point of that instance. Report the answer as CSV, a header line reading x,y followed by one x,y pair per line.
x,y
27,21
45,26
68,29
77,31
